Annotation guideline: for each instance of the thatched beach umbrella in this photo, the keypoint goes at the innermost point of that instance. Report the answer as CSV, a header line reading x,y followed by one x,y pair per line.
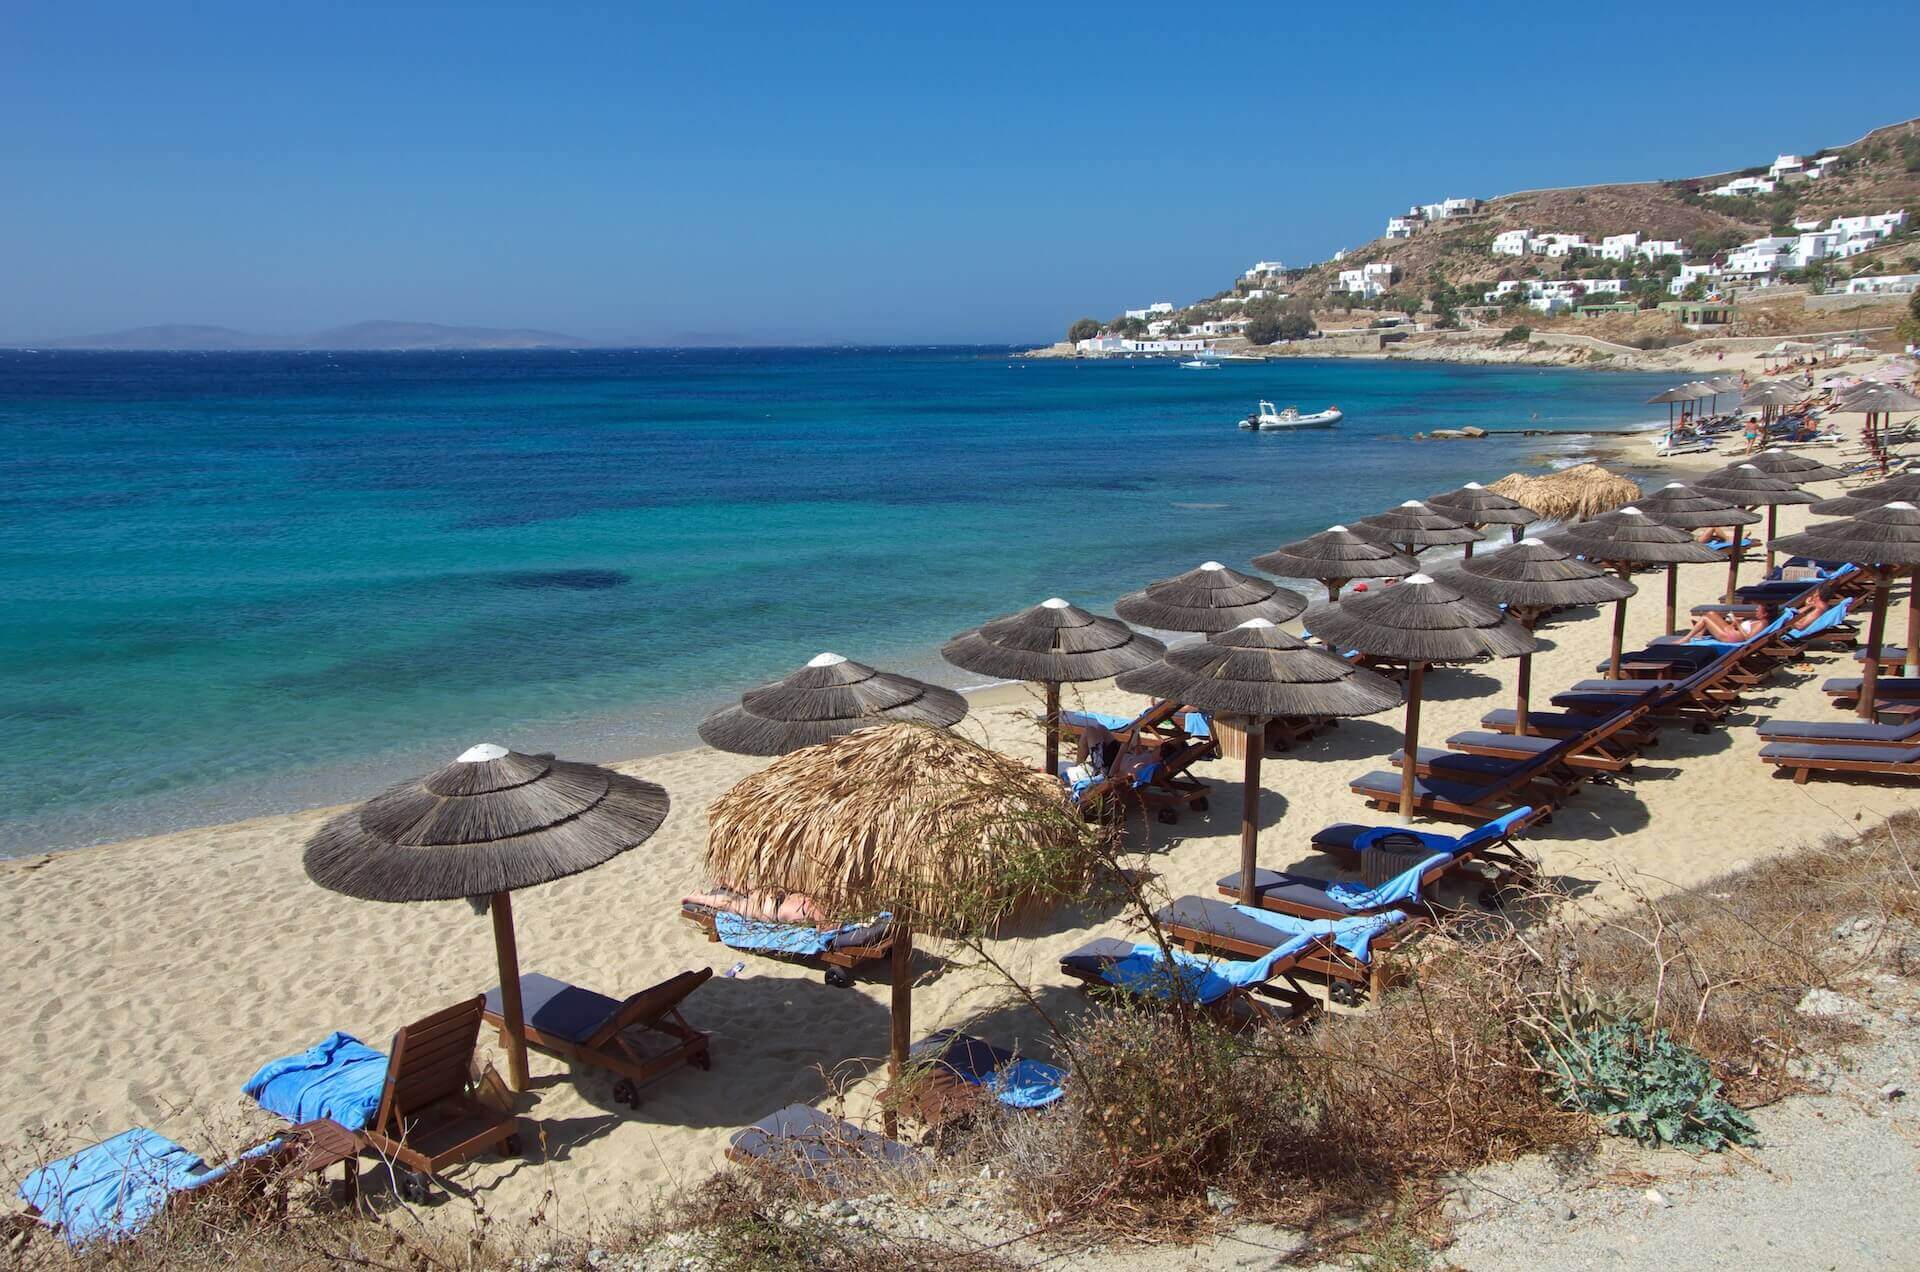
x,y
1211,598
1053,643
1746,485
1412,527
918,822
827,698
1878,495
1788,466
1882,539
1624,538
1683,507
1688,392
1255,673
1419,621
486,825
1771,395
1529,578
1572,494
1876,401
1336,556
1476,507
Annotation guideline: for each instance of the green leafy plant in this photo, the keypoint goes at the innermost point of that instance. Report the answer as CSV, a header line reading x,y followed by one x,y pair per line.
x,y
1516,335
1637,1082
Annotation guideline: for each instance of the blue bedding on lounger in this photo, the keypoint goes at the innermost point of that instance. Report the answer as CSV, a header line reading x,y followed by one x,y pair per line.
x,y
1201,979
778,938
1830,618
1354,935
111,1189
1016,1083
339,1077
1404,886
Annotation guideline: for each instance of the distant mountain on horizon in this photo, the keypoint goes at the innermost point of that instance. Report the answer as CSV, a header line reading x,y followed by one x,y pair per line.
x,y
356,337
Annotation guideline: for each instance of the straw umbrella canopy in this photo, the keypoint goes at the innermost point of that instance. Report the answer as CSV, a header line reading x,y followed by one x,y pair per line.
x,y
1211,598
1883,539
1624,538
828,697
943,833
1745,484
1336,556
1798,469
1530,577
491,822
1572,494
1878,495
1875,400
1771,395
1257,672
1691,391
1419,621
1053,643
1476,507
1683,507
1413,526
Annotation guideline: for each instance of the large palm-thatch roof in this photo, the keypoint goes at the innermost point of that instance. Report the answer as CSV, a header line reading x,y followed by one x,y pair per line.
x,y
1414,525
1789,466
1336,553
904,818
1211,598
1572,494
1887,535
1054,643
492,821
1874,399
826,698
1906,486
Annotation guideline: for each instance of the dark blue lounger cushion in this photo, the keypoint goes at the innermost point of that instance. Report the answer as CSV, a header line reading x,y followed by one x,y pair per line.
x,y
557,1008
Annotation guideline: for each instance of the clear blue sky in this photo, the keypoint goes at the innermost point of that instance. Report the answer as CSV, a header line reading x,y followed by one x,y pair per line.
x,y
833,172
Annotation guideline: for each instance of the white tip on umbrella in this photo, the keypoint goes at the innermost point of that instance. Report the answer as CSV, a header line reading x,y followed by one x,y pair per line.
x,y
1053,602
1258,622
1418,578
483,753
825,660
1530,540
1336,529
1212,565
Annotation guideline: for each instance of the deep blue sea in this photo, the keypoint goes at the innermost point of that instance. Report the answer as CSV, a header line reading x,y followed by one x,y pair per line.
x,y
244,583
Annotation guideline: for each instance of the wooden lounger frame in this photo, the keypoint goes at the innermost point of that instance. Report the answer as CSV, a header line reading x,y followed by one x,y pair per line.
x,y
840,963
429,1117
1323,956
1243,1004
1803,767
656,1009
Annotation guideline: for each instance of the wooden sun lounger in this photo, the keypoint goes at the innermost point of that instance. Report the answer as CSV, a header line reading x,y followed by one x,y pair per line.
x,y
429,1117
591,1028
1253,1003
1570,724
1205,925
1170,788
841,962
1551,784
1845,690
1803,759
1605,755
1897,736
1484,791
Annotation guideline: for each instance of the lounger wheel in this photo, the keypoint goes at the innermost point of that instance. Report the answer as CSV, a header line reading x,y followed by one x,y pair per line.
x,y
1200,805
416,1186
701,1060
840,977
511,1146
1168,816
627,1093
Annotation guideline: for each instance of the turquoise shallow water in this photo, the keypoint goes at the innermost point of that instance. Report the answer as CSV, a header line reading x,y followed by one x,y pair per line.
x,y
241,583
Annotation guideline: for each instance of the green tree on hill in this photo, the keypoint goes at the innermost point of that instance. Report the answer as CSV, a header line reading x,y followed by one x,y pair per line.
x,y
1083,329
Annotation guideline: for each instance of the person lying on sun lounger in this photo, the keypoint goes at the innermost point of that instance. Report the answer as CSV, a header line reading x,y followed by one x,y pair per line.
x,y
762,907
1735,628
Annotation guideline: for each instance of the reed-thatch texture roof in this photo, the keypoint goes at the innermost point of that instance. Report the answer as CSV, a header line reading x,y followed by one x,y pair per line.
x,y
1691,391
917,821
1211,598
1533,575
1475,505
1887,535
1798,469
1054,643
1420,619
1686,507
1259,670
1854,502
1631,537
492,821
1572,494
1336,553
1414,524
828,697
1772,393
1865,398
1744,484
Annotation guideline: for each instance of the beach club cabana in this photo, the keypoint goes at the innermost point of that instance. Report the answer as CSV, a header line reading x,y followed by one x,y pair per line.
x,y
1572,494
943,834
487,825
1683,507
1745,485
1252,674
1419,620
1336,556
1530,578
1413,527
1052,643
1884,540
829,697
1624,538
1210,598
1476,507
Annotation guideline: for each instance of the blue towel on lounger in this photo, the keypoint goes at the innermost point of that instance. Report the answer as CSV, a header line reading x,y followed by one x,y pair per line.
x,y
1200,978
339,1077
1404,886
1354,935
1830,618
779,938
1026,1084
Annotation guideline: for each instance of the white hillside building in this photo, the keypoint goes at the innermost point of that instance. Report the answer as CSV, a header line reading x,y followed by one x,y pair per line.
x,y
1654,249
1900,284
1399,227
1262,269
1511,242
1746,185
1619,247
1369,281
1690,274
1788,168
1154,310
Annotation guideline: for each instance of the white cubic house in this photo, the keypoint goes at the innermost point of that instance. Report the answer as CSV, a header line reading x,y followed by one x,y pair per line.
x,y
1511,242
1746,185
1369,281
1399,227
1892,284
1690,274
1154,310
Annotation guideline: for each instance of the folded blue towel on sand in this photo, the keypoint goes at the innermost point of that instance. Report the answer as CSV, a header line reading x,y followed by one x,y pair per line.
x,y
1195,976
780,938
339,1077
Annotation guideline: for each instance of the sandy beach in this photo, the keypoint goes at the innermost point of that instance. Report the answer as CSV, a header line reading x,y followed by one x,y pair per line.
x,y
149,978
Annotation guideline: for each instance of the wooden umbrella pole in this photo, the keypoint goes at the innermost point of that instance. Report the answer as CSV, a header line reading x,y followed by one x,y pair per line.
x,y
1619,629
1467,552
1912,666
1053,729
1876,633
900,1034
1517,531
1409,749
1250,807
1673,598
1523,684
1773,524
1333,588
1735,535
512,1021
